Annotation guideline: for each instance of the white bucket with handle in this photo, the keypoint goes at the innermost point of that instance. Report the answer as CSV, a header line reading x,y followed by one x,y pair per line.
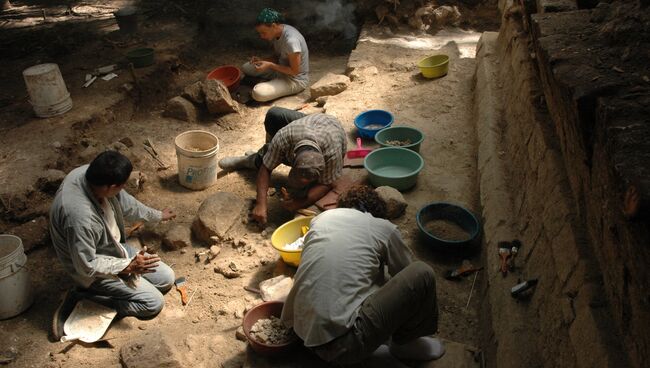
x,y
15,286
47,91
197,159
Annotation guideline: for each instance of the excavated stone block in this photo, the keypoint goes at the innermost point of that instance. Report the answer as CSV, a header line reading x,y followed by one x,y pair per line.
x,y
216,215
194,93
395,202
179,236
330,85
181,109
217,98
151,350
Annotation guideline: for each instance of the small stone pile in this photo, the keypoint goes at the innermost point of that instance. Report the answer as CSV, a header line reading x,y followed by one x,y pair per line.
x,y
209,95
271,331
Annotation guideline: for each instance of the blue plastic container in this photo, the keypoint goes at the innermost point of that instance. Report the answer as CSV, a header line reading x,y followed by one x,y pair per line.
x,y
369,122
453,213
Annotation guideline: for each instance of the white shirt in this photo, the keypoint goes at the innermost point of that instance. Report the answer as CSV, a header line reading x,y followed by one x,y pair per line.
x,y
342,263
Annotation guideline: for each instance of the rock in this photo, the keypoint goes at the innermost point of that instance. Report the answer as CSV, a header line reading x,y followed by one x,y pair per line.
x,y
216,215
89,153
9,355
362,73
118,146
213,252
33,233
276,288
321,101
179,236
181,109
56,144
217,98
239,334
136,181
50,182
194,93
395,202
446,15
228,269
127,142
149,350
330,85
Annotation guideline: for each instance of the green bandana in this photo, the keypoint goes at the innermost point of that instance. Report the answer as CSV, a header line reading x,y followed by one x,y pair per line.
x,y
268,16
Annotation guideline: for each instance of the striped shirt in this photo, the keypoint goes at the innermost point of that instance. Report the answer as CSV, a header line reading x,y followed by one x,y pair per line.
x,y
325,131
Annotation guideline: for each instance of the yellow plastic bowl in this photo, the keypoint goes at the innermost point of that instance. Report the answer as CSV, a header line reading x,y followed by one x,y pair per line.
x,y
434,66
287,234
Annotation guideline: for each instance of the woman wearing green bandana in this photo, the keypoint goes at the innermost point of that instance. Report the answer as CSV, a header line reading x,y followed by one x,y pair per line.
x,y
287,73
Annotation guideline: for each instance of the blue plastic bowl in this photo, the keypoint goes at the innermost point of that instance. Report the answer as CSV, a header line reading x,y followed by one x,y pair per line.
x,y
369,122
453,213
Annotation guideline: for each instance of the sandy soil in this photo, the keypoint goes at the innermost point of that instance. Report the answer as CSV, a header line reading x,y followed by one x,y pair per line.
x,y
203,333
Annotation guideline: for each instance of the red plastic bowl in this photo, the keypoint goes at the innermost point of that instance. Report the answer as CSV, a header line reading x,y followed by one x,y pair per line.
x,y
260,311
229,75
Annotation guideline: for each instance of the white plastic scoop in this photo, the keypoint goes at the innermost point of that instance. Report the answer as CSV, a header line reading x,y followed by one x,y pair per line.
x,y
88,322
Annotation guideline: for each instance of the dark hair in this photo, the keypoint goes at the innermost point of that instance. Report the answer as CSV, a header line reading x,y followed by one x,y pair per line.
x,y
109,168
364,199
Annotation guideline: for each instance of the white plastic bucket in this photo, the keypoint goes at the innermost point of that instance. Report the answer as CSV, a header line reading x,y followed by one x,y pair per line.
x,y
15,286
197,158
47,91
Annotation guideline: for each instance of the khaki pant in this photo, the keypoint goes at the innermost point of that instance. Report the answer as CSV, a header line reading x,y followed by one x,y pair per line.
x,y
279,85
404,308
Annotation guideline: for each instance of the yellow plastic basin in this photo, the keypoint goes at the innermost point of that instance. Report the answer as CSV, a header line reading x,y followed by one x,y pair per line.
x,y
287,234
434,66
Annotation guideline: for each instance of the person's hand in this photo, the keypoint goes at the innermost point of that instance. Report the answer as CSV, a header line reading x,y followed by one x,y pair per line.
x,y
259,214
262,66
142,263
255,60
168,214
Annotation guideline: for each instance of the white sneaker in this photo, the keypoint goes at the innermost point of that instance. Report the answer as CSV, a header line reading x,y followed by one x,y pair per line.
x,y
238,162
421,348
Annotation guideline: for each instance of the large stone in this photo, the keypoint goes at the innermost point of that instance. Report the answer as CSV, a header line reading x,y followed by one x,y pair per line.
x,y
216,215
181,109
276,288
330,85
150,350
179,236
33,233
395,202
194,93
217,98
49,183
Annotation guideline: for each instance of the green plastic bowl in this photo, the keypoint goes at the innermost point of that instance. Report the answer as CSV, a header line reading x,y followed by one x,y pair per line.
x,y
400,133
434,66
140,57
393,166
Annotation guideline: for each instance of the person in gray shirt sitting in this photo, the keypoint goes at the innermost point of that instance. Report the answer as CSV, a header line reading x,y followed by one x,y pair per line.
x,y
288,72
87,230
340,304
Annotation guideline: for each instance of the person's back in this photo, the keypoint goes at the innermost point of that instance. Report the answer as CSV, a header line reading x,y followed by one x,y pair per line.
x,y
340,304
344,251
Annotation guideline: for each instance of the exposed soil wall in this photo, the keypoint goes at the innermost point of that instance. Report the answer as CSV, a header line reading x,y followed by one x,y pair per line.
x,y
556,146
595,75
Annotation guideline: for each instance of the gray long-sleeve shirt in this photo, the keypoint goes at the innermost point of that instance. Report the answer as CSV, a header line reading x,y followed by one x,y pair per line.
x,y
79,232
342,263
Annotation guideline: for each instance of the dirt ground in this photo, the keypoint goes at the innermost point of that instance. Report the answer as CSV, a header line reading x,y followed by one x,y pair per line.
x,y
202,334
